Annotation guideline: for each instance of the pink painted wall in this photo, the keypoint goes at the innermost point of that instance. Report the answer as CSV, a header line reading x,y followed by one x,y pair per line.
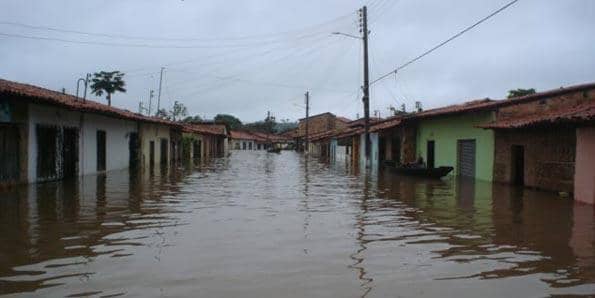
x,y
584,175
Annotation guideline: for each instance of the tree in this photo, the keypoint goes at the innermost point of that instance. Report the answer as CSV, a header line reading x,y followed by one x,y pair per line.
x,y
520,92
191,119
231,121
178,111
109,82
162,113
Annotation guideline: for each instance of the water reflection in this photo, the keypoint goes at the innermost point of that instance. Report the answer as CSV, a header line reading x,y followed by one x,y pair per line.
x,y
262,225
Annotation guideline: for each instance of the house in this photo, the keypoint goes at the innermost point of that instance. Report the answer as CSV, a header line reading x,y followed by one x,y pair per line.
x,y
154,139
317,124
47,135
214,138
547,140
246,140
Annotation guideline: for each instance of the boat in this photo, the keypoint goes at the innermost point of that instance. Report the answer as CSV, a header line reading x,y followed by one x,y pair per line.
x,y
274,150
419,171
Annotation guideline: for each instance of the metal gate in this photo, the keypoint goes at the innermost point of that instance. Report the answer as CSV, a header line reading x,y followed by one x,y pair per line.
x,y
466,158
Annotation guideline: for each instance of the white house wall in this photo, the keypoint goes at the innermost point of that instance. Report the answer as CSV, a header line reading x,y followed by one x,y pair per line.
x,y
117,136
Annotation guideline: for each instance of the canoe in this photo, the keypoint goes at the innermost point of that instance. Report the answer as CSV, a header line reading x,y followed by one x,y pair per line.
x,y
438,172
274,150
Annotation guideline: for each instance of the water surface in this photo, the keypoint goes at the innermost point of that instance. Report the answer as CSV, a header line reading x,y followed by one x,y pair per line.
x,y
268,225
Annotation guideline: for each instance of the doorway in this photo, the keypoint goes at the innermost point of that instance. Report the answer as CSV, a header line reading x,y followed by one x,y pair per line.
x,y
395,147
151,153
70,152
430,158
101,151
133,150
9,153
518,165
163,152
47,143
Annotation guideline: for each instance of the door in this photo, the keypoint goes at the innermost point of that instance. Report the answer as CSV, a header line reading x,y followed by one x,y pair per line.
x,y
9,153
431,154
381,150
518,165
466,158
70,152
101,151
47,144
163,151
133,150
197,149
151,153
395,148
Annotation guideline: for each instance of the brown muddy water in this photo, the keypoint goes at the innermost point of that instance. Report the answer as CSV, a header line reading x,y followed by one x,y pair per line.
x,y
267,225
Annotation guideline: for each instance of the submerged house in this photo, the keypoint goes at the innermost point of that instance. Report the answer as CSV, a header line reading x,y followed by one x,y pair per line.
x,y
214,138
547,141
245,140
318,124
47,135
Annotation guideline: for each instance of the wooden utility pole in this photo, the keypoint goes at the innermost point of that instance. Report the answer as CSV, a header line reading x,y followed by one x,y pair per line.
x,y
159,95
307,119
366,86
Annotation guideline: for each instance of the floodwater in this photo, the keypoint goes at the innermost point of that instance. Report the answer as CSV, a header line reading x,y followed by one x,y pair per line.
x,y
268,225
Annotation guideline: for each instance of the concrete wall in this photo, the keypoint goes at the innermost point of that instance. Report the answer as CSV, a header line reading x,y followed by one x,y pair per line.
x,y
584,179
549,156
237,144
153,132
117,137
446,131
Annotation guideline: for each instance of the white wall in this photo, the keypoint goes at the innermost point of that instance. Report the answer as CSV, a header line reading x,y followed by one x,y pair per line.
x,y
117,135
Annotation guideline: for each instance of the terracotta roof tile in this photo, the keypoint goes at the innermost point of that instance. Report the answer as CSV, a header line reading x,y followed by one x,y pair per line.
x,y
45,96
577,114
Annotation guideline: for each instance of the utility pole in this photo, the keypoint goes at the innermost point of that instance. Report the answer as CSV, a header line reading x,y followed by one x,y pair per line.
x,y
366,86
307,119
159,95
151,95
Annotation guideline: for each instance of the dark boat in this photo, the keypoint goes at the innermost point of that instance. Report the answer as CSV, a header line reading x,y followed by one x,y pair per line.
x,y
274,150
438,172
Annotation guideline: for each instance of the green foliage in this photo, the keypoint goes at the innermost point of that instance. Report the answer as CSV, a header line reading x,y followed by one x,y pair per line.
x,y
191,119
267,126
520,92
178,111
231,121
109,82
162,113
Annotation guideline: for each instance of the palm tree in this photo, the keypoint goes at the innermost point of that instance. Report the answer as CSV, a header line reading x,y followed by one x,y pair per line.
x,y
109,82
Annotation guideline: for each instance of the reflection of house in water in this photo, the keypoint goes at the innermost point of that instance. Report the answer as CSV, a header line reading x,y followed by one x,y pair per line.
x,y
49,226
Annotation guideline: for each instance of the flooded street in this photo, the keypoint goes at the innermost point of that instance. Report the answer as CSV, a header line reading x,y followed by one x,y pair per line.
x,y
268,225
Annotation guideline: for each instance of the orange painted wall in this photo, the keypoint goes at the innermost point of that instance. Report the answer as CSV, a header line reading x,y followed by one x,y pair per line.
x,y
584,179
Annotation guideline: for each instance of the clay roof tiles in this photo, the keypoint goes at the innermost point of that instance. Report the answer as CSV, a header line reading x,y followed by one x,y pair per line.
x,y
46,96
577,114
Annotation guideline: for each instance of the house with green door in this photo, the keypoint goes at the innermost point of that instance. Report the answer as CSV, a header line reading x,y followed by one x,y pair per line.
x,y
450,136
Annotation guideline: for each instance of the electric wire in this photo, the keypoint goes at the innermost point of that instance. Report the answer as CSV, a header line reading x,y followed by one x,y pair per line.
x,y
398,68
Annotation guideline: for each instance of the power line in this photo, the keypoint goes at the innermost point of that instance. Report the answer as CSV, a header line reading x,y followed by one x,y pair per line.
x,y
445,42
153,38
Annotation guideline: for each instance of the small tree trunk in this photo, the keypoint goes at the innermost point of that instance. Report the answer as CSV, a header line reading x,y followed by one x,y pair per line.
x,y
109,99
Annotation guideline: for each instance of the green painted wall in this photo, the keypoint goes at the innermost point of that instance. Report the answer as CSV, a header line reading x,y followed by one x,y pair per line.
x,y
445,131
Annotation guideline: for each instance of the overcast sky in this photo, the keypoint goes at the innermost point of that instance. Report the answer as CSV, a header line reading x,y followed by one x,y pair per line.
x,y
248,57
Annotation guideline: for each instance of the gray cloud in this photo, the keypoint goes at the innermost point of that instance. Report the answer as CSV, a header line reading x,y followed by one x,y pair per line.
x,y
541,44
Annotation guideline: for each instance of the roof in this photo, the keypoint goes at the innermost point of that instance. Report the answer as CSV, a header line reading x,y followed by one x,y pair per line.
x,y
387,123
343,119
318,115
216,129
45,96
489,104
577,114
245,135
